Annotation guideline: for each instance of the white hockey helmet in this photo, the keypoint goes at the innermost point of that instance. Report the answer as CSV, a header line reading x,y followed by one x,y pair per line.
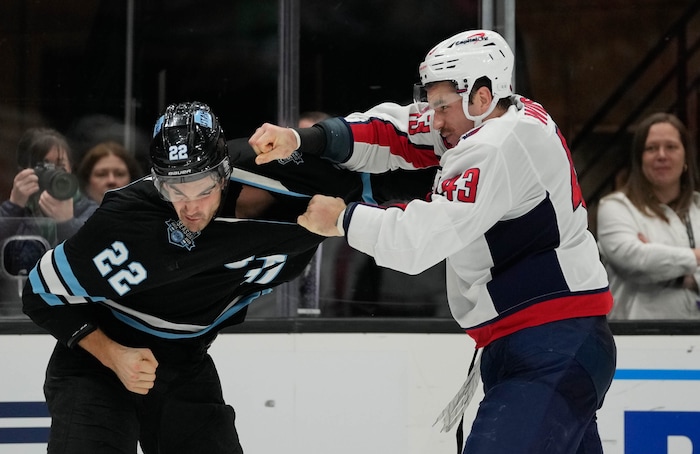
x,y
466,57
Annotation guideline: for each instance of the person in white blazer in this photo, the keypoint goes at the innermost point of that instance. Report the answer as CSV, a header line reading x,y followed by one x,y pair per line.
x,y
649,230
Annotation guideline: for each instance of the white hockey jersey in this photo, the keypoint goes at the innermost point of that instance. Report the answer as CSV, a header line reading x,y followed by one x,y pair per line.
x,y
506,212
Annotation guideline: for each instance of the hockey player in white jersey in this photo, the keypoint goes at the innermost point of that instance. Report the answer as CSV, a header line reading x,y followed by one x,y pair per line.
x,y
523,274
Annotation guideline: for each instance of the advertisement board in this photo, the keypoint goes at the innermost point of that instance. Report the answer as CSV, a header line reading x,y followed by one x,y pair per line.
x,y
379,393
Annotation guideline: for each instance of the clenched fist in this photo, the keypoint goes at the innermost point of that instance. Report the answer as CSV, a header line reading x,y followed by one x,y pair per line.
x,y
272,142
322,215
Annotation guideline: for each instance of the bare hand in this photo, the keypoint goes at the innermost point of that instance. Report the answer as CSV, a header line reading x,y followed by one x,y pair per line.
x,y
322,214
135,368
58,210
272,142
24,185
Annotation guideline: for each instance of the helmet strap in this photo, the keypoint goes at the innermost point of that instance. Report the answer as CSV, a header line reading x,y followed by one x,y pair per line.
x,y
477,119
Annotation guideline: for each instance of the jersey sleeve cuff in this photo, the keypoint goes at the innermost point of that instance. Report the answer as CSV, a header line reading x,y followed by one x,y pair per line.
x,y
344,218
339,140
83,331
330,139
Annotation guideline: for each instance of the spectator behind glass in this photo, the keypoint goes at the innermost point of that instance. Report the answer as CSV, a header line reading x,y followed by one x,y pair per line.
x,y
107,165
37,146
649,230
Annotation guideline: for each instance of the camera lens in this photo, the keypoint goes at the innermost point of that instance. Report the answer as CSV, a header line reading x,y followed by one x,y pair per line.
x,y
63,186
56,181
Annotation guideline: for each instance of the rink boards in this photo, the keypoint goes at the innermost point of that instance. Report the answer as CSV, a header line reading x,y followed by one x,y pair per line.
x,y
377,393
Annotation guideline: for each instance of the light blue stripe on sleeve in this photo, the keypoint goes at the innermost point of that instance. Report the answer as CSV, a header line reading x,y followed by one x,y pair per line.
x,y
38,288
67,272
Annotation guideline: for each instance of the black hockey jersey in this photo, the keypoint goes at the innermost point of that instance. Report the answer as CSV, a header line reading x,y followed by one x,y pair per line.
x,y
133,261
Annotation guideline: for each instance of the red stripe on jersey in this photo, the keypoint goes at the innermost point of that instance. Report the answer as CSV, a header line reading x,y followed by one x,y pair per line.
x,y
384,134
535,110
577,199
545,312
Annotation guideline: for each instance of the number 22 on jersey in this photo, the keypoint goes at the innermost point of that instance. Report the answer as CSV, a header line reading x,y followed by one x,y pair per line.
x,y
131,273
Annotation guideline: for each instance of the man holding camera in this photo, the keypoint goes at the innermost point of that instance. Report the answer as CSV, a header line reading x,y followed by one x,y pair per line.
x,y
44,188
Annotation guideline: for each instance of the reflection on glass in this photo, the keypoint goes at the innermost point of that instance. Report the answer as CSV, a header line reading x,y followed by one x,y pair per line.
x,y
22,243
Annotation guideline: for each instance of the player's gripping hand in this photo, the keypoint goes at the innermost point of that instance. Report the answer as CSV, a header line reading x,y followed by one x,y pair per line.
x,y
322,215
272,142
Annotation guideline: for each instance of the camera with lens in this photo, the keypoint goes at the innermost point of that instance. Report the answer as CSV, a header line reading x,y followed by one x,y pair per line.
x,y
57,182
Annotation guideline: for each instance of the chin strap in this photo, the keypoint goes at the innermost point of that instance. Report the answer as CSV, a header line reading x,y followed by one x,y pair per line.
x,y
478,119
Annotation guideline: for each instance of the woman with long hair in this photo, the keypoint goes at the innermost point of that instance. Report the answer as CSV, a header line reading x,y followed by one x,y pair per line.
x,y
649,230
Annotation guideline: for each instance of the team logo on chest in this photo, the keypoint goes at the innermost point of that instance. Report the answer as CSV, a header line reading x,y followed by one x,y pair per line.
x,y
179,235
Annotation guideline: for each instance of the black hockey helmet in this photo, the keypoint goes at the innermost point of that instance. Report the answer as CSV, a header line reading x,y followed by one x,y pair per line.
x,y
188,144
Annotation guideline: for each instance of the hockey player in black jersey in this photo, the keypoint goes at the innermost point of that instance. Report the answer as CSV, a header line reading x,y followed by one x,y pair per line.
x,y
136,297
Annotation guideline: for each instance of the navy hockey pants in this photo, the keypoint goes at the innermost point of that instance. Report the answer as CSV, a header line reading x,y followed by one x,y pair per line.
x,y
92,412
542,387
